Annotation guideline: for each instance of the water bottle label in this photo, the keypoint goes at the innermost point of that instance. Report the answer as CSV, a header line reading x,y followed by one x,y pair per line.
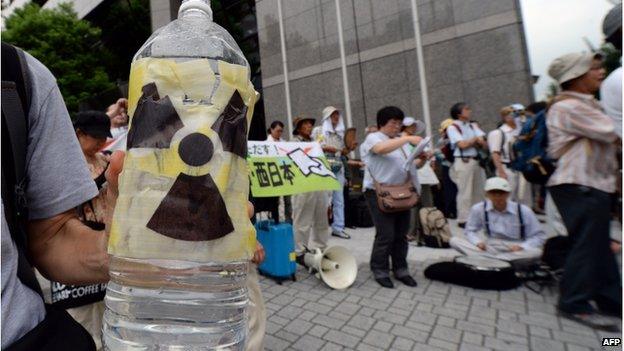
x,y
184,188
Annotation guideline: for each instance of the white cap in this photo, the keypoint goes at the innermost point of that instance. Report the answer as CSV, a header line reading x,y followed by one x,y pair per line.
x,y
420,125
327,111
203,5
497,183
517,107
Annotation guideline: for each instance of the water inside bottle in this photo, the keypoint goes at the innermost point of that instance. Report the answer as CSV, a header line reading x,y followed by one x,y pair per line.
x,y
175,305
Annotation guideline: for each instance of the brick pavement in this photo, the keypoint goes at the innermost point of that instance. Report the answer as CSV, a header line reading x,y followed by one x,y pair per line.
x,y
307,315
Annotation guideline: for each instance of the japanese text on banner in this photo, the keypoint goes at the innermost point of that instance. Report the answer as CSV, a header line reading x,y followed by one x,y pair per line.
x,y
286,168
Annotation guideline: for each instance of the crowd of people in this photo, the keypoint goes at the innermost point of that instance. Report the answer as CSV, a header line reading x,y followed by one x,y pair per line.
x,y
467,174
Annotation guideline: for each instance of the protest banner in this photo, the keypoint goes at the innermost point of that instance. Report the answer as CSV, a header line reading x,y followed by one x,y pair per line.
x,y
286,168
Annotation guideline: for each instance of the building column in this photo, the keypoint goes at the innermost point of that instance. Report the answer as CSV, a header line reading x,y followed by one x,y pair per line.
x,y
163,12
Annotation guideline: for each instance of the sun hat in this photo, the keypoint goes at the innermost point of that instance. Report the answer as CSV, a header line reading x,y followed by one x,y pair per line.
x,y
298,120
571,66
445,124
327,111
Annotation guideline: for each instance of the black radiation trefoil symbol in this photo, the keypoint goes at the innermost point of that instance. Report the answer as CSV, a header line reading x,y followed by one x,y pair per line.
x,y
193,209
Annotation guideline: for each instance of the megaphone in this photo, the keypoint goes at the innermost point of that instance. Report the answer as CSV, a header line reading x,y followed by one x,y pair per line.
x,y
335,266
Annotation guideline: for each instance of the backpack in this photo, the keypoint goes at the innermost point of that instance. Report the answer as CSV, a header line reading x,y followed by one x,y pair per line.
x,y
58,330
435,228
530,156
16,94
483,156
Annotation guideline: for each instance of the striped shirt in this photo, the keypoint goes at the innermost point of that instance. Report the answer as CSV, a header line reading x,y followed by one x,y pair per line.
x,y
582,138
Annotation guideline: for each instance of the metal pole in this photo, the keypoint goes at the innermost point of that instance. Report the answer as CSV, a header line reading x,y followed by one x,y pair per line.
x,y
424,96
285,68
343,63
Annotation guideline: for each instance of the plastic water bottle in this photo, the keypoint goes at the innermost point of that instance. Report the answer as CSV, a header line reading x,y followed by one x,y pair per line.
x,y
156,303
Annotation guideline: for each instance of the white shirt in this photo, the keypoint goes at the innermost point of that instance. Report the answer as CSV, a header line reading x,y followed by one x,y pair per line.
x,y
270,138
426,175
120,139
386,168
495,141
611,98
504,225
460,131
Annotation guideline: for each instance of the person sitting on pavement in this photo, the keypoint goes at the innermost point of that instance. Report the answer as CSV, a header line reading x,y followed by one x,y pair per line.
x,y
500,228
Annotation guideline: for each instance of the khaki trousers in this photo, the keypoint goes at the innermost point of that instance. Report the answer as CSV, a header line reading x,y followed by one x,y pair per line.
x,y
470,179
310,220
256,312
520,188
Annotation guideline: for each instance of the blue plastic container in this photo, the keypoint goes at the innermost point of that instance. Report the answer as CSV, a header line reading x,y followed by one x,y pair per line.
x,y
279,245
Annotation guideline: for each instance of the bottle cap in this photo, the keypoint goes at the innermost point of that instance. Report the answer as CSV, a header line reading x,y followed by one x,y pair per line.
x,y
202,5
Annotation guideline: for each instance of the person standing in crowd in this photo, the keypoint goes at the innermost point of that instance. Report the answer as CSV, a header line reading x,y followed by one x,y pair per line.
x,y
117,113
583,140
499,142
540,197
512,232
92,128
386,153
611,94
444,160
611,88
274,133
426,175
465,137
309,209
330,134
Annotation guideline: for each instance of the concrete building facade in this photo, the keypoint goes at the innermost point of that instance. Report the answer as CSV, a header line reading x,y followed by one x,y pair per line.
x,y
474,51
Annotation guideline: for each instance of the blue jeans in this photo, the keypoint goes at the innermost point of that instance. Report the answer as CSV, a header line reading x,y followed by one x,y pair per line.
x,y
338,224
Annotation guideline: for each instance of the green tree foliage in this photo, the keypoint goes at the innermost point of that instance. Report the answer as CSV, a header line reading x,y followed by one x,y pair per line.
x,y
611,57
126,25
69,47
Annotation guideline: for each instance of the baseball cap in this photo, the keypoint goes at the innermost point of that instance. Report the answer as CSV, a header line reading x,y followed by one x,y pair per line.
x,y
497,183
570,66
327,111
93,123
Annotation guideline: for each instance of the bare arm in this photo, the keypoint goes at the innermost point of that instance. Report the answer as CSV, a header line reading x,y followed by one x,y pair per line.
x,y
465,144
388,146
500,170
67,251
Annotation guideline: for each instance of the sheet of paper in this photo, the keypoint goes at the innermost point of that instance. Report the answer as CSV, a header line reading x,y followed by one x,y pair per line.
x,y
417,151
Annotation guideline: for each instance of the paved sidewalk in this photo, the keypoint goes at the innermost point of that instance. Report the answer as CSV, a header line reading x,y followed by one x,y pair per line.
x,y
307,315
